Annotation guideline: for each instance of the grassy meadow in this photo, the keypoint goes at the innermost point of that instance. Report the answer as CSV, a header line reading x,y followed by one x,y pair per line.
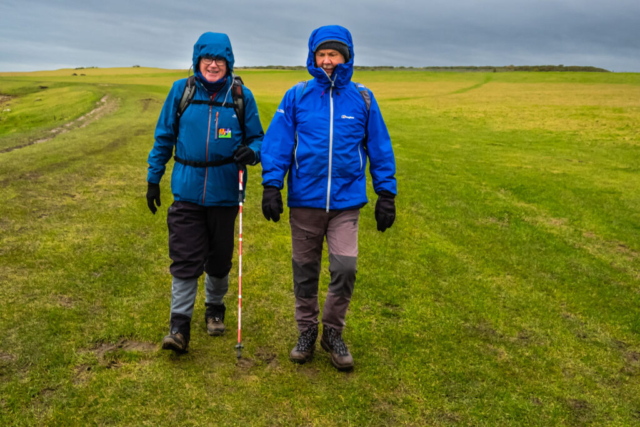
x,y
506,293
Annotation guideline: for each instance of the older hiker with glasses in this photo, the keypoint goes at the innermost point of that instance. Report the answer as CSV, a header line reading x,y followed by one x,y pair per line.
x,y
211,120
321,135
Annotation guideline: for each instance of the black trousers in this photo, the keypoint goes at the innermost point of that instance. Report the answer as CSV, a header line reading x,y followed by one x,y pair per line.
x,y
201,239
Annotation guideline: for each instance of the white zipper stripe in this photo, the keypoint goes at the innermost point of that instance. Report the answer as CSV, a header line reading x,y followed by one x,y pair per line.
x,y
295,153
330,143
360,154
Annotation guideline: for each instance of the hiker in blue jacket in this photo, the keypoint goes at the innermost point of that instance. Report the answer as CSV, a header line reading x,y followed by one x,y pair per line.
x,y
218,133
322,134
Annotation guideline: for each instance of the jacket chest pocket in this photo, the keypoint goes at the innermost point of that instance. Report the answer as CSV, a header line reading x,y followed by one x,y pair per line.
x,y
225,133
349,158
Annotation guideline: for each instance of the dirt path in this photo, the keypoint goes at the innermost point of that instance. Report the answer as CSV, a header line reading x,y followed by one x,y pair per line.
x,y
104,106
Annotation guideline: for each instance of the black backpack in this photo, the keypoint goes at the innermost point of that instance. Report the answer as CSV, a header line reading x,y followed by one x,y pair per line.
x,y
189,92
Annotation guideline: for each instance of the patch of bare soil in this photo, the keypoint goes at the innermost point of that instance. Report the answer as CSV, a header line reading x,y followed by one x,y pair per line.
x,y
4,99
146,102
267,357
483,330
245,363
65,301
632,366
82,374
581,410
5,358
103,348
105,106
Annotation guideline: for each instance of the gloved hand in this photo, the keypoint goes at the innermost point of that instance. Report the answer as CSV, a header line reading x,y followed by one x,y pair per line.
x,y
385,210
271,203
244,156
153,195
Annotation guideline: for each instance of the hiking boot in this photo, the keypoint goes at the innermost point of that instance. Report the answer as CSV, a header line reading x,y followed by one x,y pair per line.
x,y
332,342
214,318
179,334
303,351
215,326
175,341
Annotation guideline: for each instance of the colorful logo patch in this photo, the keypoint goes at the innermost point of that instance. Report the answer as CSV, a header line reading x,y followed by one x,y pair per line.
x,y
224,133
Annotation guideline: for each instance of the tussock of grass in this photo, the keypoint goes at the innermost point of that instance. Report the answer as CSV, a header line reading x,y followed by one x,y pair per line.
x,y
505,294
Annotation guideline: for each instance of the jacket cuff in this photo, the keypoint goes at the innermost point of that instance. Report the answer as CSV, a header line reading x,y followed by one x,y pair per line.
x,y
272,183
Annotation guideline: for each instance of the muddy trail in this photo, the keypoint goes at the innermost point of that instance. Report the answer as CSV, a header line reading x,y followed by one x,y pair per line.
x,y
103,107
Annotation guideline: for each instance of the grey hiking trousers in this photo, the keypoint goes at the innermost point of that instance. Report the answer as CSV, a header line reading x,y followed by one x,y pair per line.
x,y
308,230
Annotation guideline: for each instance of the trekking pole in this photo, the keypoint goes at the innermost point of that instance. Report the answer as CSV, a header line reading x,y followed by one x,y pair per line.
x,y
240,200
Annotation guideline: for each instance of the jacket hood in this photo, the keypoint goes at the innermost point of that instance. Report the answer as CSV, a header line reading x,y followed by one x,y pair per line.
x,y
342,73
216,45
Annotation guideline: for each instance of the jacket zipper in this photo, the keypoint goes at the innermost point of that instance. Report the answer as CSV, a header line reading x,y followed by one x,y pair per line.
x,y
360,154
217,124
330,143
295,152
204,192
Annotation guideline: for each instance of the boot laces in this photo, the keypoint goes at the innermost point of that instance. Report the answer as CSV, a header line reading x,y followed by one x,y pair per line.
x,y
336,342
307,339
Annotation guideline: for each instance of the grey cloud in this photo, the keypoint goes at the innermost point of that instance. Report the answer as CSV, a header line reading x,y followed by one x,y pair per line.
x,y
46,35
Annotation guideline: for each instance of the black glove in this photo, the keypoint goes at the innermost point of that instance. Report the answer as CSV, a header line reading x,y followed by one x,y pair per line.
x,y
153,195
385,210
271,203
244,156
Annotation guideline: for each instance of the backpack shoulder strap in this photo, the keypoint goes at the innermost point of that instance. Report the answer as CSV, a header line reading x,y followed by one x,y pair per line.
x,y
237,93
300,87
365,94
367,101
187,96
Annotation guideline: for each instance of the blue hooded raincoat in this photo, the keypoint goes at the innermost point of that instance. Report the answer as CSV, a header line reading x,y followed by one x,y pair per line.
x,y
206,133
324,135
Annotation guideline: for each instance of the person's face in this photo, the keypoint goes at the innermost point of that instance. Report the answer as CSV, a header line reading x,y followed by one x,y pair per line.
x,y
328,59
213,69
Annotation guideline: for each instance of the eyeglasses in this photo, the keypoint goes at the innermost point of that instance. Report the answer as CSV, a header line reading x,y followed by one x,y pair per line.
x,y
219,61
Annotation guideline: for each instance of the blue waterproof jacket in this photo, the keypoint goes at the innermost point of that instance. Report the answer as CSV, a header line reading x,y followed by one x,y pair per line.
x,y
206,133
323,136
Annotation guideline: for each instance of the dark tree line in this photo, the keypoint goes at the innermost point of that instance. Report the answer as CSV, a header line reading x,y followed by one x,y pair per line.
x,y
464,68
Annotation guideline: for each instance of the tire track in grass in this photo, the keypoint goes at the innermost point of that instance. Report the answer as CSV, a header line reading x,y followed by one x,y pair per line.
x,y
487,79
104,106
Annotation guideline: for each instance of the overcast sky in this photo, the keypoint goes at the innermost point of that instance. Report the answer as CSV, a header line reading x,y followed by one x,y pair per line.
x,y
52,34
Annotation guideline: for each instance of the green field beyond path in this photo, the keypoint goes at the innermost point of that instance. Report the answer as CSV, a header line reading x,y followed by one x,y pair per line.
x,y
506,293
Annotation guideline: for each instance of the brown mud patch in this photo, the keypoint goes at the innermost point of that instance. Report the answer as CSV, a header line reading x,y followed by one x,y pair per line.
x,y
268,357
105,106
82,374
65,301
631,367
581,410
145,103
5,358
106,352
483,330
265,355
245,363
103,348
4,99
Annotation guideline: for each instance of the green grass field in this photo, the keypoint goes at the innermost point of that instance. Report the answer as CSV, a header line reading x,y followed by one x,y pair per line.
x,y
506,293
